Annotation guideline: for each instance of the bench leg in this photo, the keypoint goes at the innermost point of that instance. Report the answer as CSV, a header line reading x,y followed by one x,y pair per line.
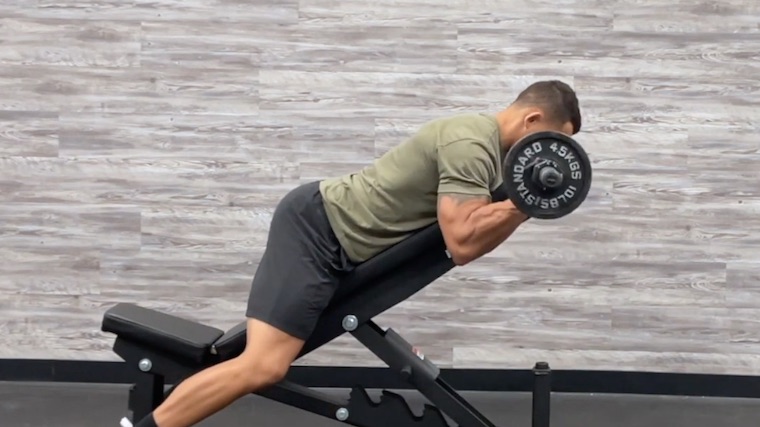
x,y
359,410
304,398
153,371
392,409
424,375
145,395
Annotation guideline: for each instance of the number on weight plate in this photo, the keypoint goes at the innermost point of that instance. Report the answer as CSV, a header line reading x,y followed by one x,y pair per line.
x,y
559,149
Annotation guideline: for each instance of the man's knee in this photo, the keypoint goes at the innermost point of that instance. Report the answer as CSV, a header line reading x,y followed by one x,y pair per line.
x,y
268,355
256,373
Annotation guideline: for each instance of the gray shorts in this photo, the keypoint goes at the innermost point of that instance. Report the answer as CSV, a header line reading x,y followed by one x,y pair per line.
x,y
301,267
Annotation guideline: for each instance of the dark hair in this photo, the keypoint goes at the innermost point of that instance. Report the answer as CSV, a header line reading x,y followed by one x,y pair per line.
x,y
557,99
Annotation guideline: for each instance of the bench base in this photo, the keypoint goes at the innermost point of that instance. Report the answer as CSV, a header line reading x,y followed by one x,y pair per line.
x,y
156,369
165,349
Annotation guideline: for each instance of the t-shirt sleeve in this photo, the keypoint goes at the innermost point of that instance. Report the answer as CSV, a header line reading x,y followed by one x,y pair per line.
x,y
465,167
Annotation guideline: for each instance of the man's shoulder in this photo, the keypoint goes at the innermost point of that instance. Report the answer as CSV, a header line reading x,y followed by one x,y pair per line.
x,y
464,126
472,118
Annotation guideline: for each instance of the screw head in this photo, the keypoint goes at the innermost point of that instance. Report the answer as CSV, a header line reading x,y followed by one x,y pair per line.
x,y
350,322
341,414
145,365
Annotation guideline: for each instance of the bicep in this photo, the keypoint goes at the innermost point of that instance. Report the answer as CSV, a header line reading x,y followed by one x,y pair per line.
x,y
465,172
453,212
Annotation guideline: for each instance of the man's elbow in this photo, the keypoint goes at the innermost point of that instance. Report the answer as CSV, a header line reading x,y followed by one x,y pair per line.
x,y
461,256
459,245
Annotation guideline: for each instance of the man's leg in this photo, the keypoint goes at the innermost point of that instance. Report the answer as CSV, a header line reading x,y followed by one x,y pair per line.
x,y
296,279
268,355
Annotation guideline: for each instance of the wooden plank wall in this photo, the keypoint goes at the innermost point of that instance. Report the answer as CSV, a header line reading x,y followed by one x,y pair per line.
x,y
143,145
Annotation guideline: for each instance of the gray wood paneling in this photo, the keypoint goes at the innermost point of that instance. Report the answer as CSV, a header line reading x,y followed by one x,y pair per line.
x,y
144,144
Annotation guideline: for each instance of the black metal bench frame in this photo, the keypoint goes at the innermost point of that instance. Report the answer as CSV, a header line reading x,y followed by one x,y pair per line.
x,y
165,349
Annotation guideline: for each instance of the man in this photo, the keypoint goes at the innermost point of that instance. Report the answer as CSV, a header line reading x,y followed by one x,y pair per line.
x,y
320,231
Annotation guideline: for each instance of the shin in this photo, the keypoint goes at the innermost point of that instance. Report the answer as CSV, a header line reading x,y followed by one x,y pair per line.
x,y
265,361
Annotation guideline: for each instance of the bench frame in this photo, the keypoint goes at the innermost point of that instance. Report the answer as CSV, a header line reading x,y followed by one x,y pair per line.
x,y
423,260
156,370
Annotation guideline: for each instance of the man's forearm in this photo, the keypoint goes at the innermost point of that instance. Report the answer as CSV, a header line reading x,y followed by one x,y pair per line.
x,y
489,226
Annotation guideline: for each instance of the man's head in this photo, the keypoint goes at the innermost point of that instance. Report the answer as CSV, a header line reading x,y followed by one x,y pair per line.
x,y
548,105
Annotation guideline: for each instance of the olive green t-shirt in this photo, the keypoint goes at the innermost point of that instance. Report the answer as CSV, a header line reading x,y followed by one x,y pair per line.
x,y
387,201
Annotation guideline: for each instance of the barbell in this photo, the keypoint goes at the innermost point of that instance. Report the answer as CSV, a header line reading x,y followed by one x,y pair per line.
x,y
547,175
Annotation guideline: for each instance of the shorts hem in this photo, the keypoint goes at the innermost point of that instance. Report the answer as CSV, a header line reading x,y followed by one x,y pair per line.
x,y
282,326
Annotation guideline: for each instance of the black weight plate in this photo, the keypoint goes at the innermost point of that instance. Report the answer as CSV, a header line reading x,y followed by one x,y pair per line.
x,y
551,148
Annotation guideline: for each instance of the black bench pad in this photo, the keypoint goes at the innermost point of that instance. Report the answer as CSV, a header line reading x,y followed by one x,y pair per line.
x,y
161,331
232,342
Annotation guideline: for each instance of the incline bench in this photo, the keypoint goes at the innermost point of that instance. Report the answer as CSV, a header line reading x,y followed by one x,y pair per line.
x,y
164,349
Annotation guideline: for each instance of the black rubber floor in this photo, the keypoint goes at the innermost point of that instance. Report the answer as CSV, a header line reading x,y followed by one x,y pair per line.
x,y
87,405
